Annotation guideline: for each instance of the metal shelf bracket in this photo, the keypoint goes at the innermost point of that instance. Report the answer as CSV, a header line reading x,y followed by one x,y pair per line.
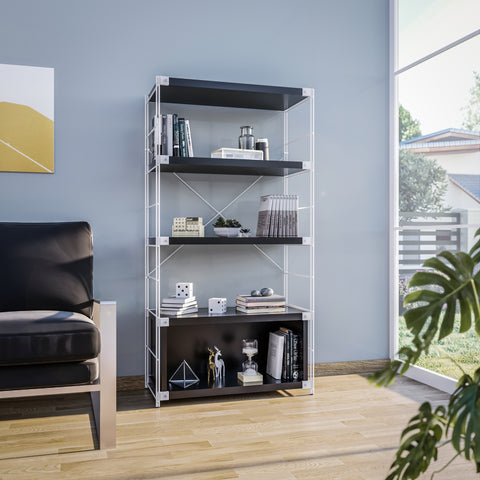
x,y
164,396
163,80
164,322
306,384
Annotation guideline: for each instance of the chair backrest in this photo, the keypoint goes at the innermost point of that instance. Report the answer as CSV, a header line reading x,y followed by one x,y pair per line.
x,y
46,266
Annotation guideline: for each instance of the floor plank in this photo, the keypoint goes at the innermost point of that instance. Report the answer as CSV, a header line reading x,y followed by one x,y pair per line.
x,y
348,430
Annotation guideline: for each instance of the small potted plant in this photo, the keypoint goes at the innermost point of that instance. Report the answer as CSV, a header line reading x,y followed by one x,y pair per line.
x,y
226,227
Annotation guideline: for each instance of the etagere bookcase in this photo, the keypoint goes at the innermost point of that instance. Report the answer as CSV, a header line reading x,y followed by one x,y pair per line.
x,y
170,340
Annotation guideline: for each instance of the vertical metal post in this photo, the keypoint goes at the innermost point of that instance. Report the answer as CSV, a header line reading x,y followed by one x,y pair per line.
x,y
147,253
312,235
285,191
158,258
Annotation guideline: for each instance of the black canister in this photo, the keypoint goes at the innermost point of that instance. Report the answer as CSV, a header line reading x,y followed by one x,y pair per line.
x,y
262,144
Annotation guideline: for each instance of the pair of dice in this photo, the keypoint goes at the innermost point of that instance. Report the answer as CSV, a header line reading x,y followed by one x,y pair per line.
x,y
215,305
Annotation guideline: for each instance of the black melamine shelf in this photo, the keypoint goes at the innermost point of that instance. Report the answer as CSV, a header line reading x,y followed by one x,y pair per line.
x,y
229,166
233,316
231,241
227,94
230,386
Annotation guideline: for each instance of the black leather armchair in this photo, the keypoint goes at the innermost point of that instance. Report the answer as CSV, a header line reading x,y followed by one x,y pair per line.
x,y
54,338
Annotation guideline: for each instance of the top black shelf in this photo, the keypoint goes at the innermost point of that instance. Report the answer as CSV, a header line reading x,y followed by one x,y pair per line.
x,y
226,94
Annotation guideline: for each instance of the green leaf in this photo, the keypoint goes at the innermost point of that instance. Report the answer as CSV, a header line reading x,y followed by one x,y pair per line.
x,y
454,285
463,417
420,279
418,445
448,320
465,314
437,264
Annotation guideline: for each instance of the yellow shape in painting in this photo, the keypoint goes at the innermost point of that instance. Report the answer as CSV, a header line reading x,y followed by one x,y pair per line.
x,y
26,139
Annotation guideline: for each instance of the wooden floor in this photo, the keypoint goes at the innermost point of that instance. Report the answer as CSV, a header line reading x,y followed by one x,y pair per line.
x,y
347,430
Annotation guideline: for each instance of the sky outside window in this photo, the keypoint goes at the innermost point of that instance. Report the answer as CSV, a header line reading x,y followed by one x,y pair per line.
x,y
435,92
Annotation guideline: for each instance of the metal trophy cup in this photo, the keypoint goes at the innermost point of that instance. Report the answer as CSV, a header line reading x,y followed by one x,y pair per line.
x,y
249,374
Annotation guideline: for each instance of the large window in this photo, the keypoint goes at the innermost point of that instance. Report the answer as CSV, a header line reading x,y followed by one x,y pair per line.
x,y
435,102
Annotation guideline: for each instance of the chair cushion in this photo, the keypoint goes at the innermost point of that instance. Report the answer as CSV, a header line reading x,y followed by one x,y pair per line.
x,y
46,266
48,375
47,336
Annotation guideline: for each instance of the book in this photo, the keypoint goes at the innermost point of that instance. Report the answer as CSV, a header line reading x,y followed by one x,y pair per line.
x,y
163,148
289,359
173,309
285,353
169,136
188,138
272,231
297,370
177,306
176,137
176,313
256,310
260,304
157,135
179,300
275,355
182,137
264,213
263,300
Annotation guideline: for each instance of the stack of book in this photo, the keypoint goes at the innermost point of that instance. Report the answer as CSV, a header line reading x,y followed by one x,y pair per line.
x,y
173,136
285,358
278,216
174,306
270,304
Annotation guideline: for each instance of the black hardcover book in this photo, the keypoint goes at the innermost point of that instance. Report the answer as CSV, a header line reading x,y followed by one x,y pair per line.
x,y
176,136
296,367
182,137
164,144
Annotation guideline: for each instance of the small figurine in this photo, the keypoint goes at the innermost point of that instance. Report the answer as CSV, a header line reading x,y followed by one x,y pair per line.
x,y
211,374
219,364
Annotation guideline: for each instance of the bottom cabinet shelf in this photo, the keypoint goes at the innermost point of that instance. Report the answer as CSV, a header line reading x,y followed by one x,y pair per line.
x,y
188,339
230,386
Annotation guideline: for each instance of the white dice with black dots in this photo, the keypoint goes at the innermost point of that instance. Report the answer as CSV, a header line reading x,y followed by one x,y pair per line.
x,y
217,305
184,290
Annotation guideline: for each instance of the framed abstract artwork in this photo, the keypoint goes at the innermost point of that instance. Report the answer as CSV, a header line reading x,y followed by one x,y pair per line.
x,y
26,119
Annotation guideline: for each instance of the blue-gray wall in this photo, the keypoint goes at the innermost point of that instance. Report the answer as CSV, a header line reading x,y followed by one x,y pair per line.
x,y
106,54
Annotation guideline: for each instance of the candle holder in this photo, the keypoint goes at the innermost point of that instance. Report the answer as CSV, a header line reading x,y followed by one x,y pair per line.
x,y
249,374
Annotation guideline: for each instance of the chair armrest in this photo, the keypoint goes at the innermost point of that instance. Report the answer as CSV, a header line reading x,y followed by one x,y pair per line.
x,y
105,318
105,404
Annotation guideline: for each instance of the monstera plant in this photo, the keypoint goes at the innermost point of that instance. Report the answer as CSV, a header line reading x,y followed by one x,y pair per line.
x,y
448,288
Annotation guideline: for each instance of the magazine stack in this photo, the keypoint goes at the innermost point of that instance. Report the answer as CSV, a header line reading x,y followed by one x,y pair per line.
x,y
174,306
278,216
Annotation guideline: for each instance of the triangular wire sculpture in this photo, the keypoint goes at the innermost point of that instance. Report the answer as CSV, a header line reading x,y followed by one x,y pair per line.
x,y
184,376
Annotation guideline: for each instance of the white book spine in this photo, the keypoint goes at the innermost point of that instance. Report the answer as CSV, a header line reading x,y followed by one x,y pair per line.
x,y
188,134
274,218
295,217
275,355
264,213
157,135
